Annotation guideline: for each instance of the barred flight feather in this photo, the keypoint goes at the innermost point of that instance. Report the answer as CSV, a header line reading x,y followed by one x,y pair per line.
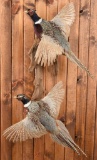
x,y
65,18
23,130
54,99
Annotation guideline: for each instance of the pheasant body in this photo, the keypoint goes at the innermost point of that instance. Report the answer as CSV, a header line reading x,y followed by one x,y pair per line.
x,y
42,119
54,37
51,29
48,122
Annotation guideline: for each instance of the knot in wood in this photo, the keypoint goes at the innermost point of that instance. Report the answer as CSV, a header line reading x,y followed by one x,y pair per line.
x,y
93,40
78,137
79,79
81,11
62,119
15,83
15,7
84,11
7,3
7,98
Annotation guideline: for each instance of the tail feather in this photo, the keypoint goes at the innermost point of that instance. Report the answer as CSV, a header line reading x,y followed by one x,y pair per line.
x,y
72,143
74,59
67,142
63,137
79,149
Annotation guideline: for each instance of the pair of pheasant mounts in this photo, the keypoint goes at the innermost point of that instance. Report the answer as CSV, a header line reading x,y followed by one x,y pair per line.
x,y
42,115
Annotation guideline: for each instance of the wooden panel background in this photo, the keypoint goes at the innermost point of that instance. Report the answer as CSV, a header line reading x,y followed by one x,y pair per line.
x,y
78,110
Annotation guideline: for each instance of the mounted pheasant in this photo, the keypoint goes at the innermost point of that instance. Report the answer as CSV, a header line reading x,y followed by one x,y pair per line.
x,y
54,35
42,119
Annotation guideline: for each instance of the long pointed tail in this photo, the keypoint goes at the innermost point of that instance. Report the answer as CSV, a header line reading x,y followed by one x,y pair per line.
x,y
63,137
74,59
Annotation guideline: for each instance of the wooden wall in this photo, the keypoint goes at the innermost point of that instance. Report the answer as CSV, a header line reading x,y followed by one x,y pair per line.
x,y
78,110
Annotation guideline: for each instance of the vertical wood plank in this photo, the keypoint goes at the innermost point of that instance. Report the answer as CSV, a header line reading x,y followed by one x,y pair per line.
x,y
5,54
93,63
39,143
82,76
71,82
50,78
91,97
61,76
81,103
95,140
0,104
28,77
17,75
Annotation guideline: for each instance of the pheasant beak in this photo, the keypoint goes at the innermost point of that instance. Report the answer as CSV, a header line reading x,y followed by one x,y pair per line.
x,y
29,8
26,11
15,97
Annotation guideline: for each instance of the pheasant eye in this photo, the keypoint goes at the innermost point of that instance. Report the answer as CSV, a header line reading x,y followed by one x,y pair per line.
x,y
31,10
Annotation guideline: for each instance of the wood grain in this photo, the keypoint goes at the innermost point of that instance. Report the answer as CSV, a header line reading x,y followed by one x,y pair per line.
x,y
28,76
91,96
61,76
78,110
0,95
0,104
17,75
50,80
5,51
93,63
71,82
39,143
82,76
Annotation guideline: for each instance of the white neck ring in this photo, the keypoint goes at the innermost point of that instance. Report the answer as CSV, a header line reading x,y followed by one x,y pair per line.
x,y
39,21
27,104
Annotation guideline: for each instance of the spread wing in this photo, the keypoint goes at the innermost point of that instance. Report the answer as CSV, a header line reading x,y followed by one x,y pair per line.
x,y
54,99
65,18
25,129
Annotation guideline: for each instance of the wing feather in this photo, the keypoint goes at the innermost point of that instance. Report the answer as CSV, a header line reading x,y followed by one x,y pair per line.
x,y
65,18
54,99
25,129
47,51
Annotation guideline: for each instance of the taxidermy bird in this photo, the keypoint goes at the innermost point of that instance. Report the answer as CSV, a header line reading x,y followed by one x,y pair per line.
x,y
42,119
54,36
